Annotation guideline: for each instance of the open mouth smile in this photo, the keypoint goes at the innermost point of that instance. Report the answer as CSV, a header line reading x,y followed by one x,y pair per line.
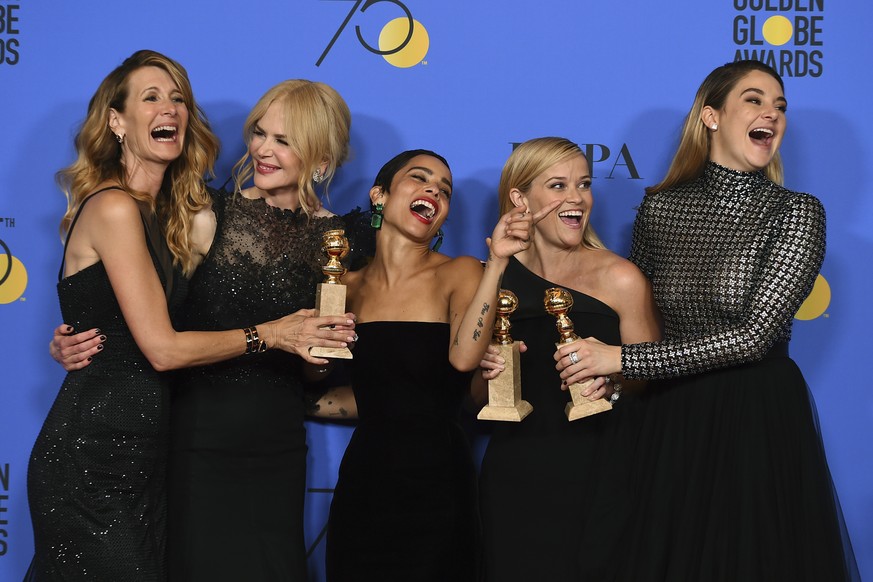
x,y
424,209
761,136
165,133
572,218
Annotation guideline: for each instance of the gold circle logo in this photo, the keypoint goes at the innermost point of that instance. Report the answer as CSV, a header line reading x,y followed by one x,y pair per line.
x,y
16,281
394,33
777,30
817,302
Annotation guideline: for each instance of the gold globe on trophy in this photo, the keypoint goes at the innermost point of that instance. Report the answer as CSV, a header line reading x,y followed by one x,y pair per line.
x,y
504,391
558,302
330,295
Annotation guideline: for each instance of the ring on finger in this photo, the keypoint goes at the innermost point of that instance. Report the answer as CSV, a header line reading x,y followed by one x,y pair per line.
x,y
573,357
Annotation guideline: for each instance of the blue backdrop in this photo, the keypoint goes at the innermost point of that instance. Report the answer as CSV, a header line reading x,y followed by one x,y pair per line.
x,y
474,78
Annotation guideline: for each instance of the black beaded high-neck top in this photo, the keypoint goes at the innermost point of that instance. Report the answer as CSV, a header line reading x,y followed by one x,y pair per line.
x,y
731,257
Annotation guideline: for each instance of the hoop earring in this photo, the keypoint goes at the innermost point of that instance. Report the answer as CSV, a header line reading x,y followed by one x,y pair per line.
x,y
376,218
439,241
317,176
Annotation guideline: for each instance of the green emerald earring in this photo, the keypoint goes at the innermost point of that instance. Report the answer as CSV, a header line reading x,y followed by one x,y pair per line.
x,y
438,240
376,218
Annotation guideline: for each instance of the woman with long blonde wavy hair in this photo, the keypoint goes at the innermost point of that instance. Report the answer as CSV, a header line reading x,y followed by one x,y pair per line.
x,y
258,248
96,480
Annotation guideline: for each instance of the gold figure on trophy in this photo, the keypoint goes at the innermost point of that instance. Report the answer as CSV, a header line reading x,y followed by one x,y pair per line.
x,y
558,302
330,296
504,391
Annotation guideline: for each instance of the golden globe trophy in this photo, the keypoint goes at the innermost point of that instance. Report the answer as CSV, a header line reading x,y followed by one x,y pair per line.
x,y
504,391
558,302
330,296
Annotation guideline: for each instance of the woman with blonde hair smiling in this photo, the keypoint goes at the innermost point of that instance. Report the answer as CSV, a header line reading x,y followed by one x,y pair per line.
x,y
541,477
96,479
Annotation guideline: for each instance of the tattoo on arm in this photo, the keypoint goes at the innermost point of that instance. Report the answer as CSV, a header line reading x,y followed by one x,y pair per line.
x,y
485,308
476,335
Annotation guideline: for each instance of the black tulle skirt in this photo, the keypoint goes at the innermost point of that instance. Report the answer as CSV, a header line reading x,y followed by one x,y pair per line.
x,y
731,482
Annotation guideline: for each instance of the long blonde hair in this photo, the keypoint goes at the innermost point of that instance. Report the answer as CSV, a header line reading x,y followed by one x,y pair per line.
x,y
183,191
695,141
529,160
317,125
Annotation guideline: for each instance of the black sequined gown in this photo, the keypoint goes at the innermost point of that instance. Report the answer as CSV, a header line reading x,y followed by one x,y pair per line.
x,y
405,502
540,477
238,446
96,479
731,480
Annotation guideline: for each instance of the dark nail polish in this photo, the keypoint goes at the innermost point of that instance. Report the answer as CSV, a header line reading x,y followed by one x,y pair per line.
x,y
100,347
102,338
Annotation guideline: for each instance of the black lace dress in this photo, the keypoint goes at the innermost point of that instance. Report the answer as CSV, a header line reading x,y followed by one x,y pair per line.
x,y
405,502
731,480
238,446
96,479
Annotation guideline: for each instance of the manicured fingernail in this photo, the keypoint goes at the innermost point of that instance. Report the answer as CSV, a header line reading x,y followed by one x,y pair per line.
x,y
100,347
96,332
102,338
69,329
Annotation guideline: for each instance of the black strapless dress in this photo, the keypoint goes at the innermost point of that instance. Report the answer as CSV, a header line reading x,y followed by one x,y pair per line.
x,y
405,502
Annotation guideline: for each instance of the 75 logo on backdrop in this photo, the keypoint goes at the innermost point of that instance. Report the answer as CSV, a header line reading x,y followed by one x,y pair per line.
x,y
403,41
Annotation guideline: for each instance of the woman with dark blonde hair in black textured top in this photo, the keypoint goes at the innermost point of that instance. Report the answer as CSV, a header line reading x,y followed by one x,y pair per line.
x,y
731,480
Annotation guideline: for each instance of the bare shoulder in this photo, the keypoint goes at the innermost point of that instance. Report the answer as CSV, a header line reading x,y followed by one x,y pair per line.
x,y
623,276
203,226
113,206
204,218
464,269
463,263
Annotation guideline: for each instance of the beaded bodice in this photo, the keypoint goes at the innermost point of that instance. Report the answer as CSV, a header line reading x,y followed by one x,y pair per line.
x,y
731,257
